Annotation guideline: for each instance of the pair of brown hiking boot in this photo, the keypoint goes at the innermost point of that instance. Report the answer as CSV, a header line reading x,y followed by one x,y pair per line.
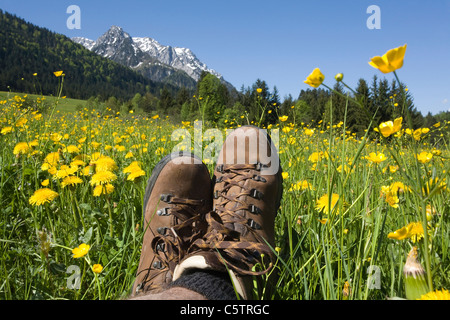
x,y
193,222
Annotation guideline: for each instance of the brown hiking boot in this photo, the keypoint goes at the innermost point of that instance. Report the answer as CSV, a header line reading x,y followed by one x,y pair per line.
x,y
177,197
247,195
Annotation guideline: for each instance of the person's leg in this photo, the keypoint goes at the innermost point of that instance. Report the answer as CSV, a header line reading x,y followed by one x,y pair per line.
x,y
247,195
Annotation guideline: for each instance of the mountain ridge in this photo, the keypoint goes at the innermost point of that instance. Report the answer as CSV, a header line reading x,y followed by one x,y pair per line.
x,y
149,57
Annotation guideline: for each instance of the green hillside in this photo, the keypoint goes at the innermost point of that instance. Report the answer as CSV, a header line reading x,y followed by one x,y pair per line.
x,y
30,54
64,105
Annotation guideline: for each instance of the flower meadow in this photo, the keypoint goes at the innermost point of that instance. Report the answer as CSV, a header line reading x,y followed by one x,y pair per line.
x,y
353,207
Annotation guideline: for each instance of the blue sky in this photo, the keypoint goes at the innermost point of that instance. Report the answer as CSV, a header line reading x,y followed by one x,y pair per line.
x,y
280,41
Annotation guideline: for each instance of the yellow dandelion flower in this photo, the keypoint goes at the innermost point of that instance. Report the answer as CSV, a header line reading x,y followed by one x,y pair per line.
x,y
436,295
58,73
390,61
95,144
81,250
22,148
103,189
316,156
56,137
21,122
323,203
65,171
399,234
135,174
291,140
129,155
51,160
134,171
417,134
376,157
52,170
87,170
120,148
6,130
102,177
72,149
309,132
285,175
416,232
398,187
424,157
390,127
390,193
131,167
283,118
104,163
392,200
42,196
45,183
413,231
97,268
393,169
71,181
77,162
315,79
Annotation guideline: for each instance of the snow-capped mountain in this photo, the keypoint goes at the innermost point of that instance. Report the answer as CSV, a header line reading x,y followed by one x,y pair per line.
x,y
179,58
87,43
158,62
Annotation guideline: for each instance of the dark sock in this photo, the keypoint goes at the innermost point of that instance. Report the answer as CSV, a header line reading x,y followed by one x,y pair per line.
x,y
213,285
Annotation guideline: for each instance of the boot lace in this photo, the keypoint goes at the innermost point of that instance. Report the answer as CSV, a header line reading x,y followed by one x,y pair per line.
x,y
228,244
171,243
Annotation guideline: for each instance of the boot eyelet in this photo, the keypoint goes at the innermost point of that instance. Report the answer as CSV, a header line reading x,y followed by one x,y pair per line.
x,y
158,265
163,212
161,230
254,225
254,209
160,247
258,178
256,194
166,198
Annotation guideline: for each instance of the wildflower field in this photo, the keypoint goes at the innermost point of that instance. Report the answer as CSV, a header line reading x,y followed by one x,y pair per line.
x,y
353,208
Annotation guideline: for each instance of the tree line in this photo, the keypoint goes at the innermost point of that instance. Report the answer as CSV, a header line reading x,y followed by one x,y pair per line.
x,y
211,101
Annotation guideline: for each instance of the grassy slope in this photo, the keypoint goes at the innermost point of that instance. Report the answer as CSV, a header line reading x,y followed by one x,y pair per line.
x,y
64,105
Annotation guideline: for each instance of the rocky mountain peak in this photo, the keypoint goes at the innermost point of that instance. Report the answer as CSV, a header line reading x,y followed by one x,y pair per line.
x,y
148,56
